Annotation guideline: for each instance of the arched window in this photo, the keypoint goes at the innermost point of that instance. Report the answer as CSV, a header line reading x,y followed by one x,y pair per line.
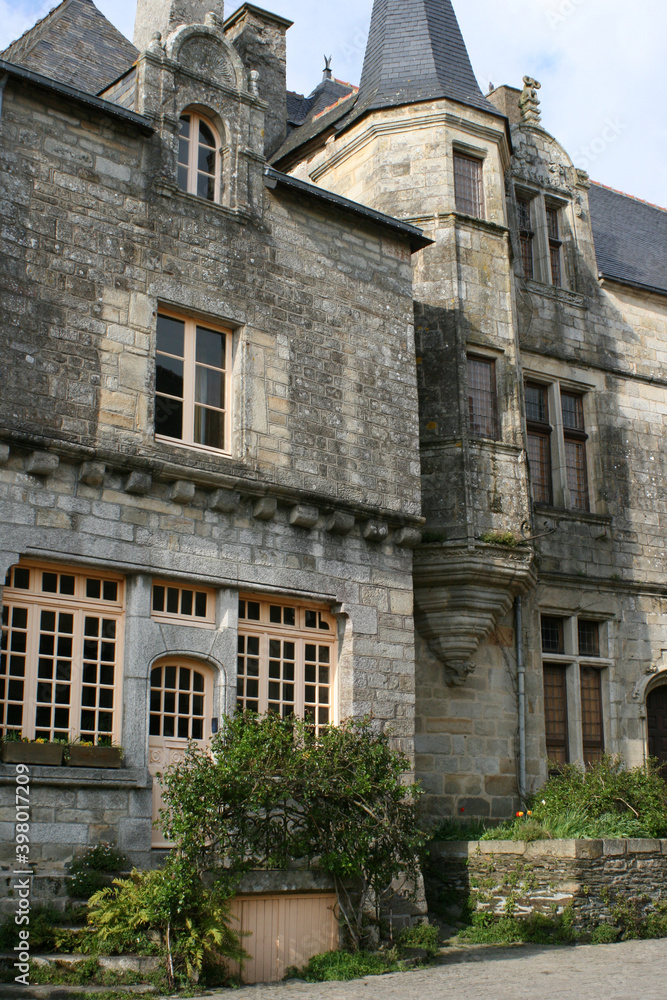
x,y
199,157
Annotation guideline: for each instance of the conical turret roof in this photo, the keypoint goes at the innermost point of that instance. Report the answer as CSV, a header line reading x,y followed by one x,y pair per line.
x,y
415,53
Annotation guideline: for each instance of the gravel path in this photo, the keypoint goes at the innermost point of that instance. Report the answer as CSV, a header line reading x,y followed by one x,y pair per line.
x,y
632,970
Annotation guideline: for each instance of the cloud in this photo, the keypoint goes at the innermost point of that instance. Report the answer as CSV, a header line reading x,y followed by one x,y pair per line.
x,y
597,60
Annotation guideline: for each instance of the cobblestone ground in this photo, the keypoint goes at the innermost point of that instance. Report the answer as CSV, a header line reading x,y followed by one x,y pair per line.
x,y
632,970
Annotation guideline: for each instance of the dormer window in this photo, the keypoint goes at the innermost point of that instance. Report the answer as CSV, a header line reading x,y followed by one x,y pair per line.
x,y
199,157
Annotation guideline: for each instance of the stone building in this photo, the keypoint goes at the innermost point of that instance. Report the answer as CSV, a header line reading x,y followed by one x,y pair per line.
x,y
277,370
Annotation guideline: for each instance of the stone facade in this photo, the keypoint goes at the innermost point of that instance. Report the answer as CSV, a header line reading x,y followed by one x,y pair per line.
x,y
354,480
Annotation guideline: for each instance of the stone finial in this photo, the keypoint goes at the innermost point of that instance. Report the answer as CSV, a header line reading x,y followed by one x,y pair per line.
x,y
155,45
529,103
212,20
327,74
253,82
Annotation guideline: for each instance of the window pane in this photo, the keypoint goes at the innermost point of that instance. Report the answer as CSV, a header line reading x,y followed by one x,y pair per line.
x,y
539,457
577,479
209,427
183,178
210,347
556,268
482,398
206,186
183,152
206,136
168,417
555,713
553,640
589,638
468,185
537,408
169,376
185,126
206,160
170,335
552,223
591,714
573,411
209,386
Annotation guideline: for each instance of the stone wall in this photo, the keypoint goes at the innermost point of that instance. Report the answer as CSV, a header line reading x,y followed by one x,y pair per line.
x,y
592,877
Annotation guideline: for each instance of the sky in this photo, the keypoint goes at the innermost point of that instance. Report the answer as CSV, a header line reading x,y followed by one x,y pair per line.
x,y
600,63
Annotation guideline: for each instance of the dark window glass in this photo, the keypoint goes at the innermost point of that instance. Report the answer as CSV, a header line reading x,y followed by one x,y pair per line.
x,y
526,236
537,403
555,247
468,185
589,638
591,715
553,639
555,713
482,402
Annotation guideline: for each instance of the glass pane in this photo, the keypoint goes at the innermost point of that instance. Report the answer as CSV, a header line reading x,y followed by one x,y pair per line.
x,y
158,598
170,335
482,403
183,152
185,126
49,583
183,178
110,590
536,403
275,614
94,589
169,375
311,619
209,427
289,616
209,387
468,186
552,635
206,135
589,638
201,601
22,578
206,160
170,677
67,585
168,417
206,187
573,411
172,600
186,602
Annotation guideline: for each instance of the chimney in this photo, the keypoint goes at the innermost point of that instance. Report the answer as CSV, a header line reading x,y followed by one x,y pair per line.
x,y
259,38
165,15
506,99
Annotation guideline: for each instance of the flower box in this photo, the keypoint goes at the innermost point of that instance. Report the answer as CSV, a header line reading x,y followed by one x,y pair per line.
x,y
46,754
83,756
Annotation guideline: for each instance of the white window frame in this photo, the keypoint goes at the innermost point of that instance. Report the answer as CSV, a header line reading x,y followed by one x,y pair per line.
x,y
189,373
192,166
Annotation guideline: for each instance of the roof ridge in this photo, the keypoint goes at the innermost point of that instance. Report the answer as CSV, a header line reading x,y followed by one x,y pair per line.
x,y
330,107
632,197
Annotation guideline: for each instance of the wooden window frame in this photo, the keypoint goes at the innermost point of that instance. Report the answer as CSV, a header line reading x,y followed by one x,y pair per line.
x,y
469,202
180,592
254,678
83,610
480,419
586,742
188,173
190,365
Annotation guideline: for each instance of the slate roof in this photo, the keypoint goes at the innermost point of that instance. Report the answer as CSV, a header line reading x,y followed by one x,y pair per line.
x,y
416,52
76,45
329,92
630,238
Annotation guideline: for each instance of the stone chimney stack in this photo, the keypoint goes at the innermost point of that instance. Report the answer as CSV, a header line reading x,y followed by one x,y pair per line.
x,y
165,15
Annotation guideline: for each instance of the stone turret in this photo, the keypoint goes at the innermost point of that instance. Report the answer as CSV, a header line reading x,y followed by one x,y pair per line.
x,y
166,15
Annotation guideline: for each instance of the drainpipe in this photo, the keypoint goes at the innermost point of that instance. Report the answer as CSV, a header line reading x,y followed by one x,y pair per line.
x,y
521,678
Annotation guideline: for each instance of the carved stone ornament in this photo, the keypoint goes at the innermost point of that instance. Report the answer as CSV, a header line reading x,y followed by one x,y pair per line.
x,y
461,594
529,103
207,57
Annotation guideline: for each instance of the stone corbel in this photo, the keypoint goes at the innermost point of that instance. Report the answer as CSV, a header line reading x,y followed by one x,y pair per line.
x,y
460,595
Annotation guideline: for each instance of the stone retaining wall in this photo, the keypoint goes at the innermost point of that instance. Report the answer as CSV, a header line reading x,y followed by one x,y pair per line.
x,y
547,876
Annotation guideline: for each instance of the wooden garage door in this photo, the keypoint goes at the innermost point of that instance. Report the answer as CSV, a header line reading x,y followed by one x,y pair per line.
x,y
285,930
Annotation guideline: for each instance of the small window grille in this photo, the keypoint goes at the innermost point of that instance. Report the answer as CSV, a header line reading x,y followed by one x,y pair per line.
x,y
553,636
575,450
468,186
589,638
526,235
482,401
555,245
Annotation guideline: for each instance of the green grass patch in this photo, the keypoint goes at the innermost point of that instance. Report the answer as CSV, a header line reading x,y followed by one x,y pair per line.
x,y
536,929
340,966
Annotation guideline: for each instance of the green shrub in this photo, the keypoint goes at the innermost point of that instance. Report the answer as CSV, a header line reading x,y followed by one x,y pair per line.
x,y
344,965
94,870
45,926
424,936
191,919
487,928
459,829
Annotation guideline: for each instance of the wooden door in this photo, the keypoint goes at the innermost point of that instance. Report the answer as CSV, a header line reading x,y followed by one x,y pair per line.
x,y
656,709
181,710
